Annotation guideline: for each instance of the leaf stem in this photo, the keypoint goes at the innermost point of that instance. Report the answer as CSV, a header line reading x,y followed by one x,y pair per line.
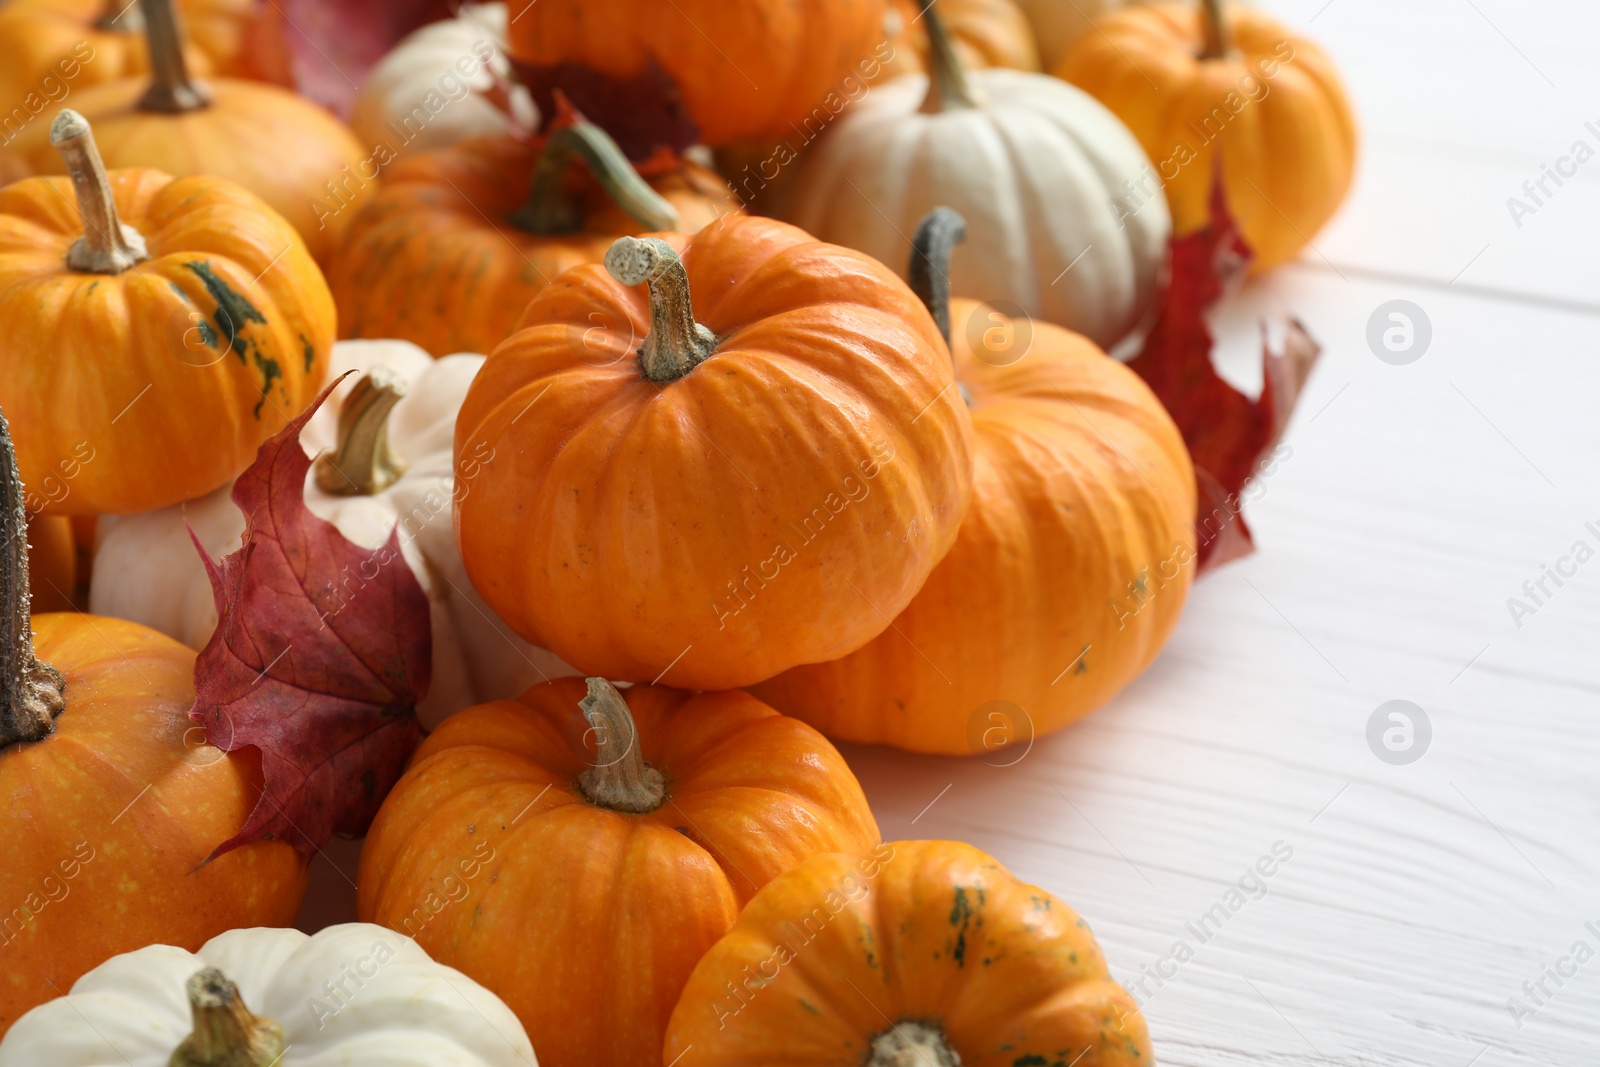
x,y
31,691
676,343
948,87
362,463
226,1033
171,90
620,779
551,208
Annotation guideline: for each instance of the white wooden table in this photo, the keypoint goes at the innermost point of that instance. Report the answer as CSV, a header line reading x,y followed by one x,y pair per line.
x,y
1419,898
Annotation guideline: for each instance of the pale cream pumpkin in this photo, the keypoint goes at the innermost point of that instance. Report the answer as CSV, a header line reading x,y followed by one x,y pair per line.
x,y
147,569
432,89
1049,180
255,997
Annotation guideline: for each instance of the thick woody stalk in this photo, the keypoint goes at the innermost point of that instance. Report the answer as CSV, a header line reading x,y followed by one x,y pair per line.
x,y
107,246
226,1033
620,779
676,343
31,691
171,90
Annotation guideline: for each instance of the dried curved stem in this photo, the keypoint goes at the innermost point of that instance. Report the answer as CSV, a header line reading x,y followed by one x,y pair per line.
x,y
171,90
550,209
948,87
107,246
1214,29
929,271
31,690
226,1033
676,344
620,779
362,462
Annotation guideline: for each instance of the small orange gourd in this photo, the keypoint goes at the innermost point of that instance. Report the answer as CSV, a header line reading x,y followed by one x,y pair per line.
x,y
1234,92
1070,568
751,465
917,954
580,865
294,155
158,331
459,239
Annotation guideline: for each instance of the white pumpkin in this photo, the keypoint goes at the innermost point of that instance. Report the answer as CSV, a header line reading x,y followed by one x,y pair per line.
x,y
350,994
1037,167
428,91
146,568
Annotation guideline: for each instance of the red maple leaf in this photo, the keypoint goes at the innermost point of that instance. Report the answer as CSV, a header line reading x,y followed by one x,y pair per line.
x,y
321,653
323,49
643,113
1230,436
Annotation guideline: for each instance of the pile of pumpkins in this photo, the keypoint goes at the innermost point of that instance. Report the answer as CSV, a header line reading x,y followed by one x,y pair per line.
x,y
865,473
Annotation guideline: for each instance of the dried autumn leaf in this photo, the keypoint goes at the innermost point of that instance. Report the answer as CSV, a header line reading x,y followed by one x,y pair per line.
x,y
321,653
643,114
323,49
1230,436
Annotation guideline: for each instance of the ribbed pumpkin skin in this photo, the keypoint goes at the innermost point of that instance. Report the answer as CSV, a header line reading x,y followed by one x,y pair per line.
x,y
586,921
35,35
774,506
985,33
742,70
137,878
434,259
1082,491
279,146
124,389
1287,159
829,955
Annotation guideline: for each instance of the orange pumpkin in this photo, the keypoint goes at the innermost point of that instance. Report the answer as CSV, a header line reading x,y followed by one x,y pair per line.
x,y
742,70
1071,566
458,240
112,799
1239,93
159,331
50,49
302,161
753,466
542,855
917,953
984,33
54,558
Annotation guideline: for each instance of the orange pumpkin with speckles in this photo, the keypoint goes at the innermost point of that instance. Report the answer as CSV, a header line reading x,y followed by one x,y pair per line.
x,y
917,953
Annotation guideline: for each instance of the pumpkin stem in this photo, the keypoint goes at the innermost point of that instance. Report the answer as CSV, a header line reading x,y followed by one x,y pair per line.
x,y
620,779
948,88
226,1033
911,1043
120,16
107,246
1214,29
171,90
551,209
30,689
361,464
676,343
929,272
